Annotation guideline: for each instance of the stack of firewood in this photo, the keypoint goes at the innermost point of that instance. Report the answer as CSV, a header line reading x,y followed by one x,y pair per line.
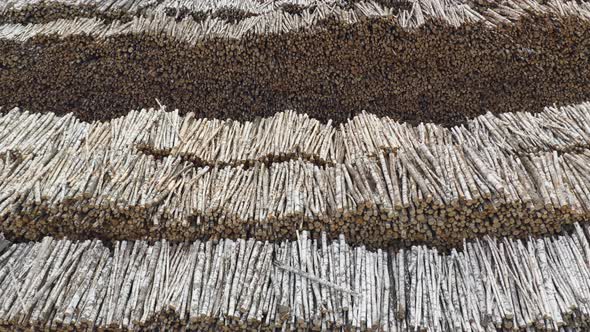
x,y
154,174
419,60
312,284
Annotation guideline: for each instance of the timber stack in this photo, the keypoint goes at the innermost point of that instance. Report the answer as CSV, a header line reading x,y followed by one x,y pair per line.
x,y
306,284
156,175
419,60
350,165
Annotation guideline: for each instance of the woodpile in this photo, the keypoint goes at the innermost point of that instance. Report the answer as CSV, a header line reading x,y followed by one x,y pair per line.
x,y
308,284
63,177
421,60
290,136
421,184
210,142
42,11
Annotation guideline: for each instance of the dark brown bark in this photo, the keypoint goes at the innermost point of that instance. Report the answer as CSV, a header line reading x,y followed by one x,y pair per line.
x,y
434,74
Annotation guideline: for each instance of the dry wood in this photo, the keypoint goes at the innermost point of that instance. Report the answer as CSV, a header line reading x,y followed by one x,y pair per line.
x,y
60,176
491,284
186,53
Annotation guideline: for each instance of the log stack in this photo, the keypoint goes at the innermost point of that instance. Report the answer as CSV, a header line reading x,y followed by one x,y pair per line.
x,y
366,165
419,60
306,284
156,175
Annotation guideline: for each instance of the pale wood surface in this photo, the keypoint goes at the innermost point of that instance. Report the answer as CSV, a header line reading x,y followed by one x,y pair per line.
x,y
307,284
60,176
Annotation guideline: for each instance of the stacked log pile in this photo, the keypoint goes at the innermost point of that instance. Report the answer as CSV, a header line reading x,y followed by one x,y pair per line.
x,y
426,60
43,11
230,213
63,177
507,284
210,142
290,136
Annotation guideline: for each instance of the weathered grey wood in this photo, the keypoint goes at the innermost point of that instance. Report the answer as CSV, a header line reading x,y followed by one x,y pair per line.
x,y
511,174
513,283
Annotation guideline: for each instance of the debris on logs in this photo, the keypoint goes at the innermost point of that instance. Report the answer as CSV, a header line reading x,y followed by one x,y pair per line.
x,y
420,60
156,174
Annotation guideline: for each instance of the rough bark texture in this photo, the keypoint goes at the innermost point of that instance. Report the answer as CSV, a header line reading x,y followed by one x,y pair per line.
x,y
436,72
382,184
535,284
184,199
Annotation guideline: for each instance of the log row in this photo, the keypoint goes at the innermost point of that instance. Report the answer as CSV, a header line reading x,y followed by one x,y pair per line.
x,y
233,11
411,14
436,193
190,32
433,61
493,284
291,136
206,142
43,11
